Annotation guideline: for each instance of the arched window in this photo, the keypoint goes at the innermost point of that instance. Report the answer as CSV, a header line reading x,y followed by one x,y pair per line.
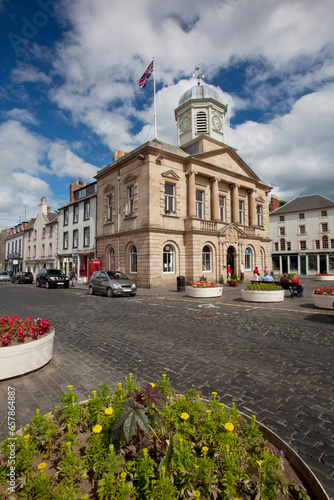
x,y
248,259
206,258
325,242
112,260
282,242
133,259
168,259
201,123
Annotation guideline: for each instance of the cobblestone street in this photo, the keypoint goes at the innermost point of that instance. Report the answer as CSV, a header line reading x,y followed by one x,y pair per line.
x,y
274,360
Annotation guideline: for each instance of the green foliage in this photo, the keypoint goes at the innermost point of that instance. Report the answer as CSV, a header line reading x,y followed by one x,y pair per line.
x,y
145,443
263,287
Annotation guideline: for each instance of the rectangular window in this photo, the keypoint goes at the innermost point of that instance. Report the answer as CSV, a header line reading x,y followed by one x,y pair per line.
x,y
302,230
323,213
131,200
34,252
28,252
302,245
281,218
222,209
288,246
109,202
43,250
241,212
324,227
312,262
169,197
317,244
282,231
301,216
75,238
75,214
199,204
51,230
332,243
66,217
43,232
86,237
87,210
276,247
50,249
65,241
259,215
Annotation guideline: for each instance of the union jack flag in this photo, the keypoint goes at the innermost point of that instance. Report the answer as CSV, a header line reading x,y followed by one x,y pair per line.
x,y
145,76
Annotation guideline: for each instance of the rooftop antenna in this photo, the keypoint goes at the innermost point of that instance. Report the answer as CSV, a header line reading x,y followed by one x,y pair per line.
x,y
25,212
197,74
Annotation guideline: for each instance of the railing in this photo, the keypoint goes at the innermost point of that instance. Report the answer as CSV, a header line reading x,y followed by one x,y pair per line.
x,y
208,225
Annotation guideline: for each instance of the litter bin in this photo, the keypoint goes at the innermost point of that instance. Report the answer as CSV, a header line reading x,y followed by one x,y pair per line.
x,y
181,284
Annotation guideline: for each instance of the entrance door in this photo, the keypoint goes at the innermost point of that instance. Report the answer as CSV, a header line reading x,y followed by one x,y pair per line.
x,y
284,264
303,264
230,258
323,263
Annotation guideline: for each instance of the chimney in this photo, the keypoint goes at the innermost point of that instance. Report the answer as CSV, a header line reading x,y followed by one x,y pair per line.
x,y
274,203
43,206
118,154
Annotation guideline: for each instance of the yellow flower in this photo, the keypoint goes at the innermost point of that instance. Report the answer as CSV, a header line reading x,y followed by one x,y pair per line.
x,y
68,444
164,375
163,469
41,467
214,394
205,449
97,429
222,405
181,440
180,396
184,416
111,447
208,412
259,462
130,375
227,448
70,387
26,437
229,426
151,383
123,476
37,411
254,417
196,493
145,451
119,385
94,393
109,411
73,398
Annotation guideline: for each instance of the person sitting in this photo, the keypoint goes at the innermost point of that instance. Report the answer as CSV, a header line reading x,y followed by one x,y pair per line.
x,y
285,282
296,285
268,278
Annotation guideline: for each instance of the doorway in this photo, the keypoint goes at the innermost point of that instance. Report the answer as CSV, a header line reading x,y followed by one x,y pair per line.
x,y
323,263
284,264
303,265
230,258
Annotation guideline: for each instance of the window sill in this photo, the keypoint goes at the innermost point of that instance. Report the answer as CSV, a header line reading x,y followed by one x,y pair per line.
x,y
171,215
131,216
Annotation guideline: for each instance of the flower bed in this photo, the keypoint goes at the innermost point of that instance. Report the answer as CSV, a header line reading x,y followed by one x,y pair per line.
x,y
145,442
26,345
202,289
324,277
324,297
262,292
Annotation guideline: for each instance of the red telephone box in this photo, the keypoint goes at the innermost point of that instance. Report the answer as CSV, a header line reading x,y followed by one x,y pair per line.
x,y
94,265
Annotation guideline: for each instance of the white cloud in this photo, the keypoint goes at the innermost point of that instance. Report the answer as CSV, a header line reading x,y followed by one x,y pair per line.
x,y
64,162
27,73
21,115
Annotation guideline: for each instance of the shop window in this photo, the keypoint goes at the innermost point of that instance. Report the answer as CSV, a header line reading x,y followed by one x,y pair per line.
x,y
133,260
206,259
168,259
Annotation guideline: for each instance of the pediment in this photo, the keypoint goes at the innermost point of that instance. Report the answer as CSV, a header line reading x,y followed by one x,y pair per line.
x,y
260,199
227,159
129,178
170,174
232,232
108,187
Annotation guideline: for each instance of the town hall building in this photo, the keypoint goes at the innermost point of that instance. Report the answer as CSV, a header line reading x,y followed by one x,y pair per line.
x,y
190,210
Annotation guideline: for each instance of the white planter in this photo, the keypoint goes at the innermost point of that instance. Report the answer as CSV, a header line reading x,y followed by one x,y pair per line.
x,y
323,301
262,295
324,278
201,293
23,358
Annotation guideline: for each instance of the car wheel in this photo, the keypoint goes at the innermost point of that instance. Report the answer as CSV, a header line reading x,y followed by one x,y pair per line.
x,y
91,290
132,294
38,283
109,292
66,285
47,285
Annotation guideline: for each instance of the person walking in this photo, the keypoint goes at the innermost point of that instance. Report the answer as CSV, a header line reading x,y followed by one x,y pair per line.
x,y
242,272
256,274
73,276
229,272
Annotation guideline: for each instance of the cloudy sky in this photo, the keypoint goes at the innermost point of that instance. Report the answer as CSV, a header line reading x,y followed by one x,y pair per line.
x,y
70,96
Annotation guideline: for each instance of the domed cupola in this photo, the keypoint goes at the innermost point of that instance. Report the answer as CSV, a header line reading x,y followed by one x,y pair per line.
x,y
200,111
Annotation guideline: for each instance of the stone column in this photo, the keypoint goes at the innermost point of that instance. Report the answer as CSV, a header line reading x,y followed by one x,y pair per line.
x,y
235,203
252,208
191,194
214,199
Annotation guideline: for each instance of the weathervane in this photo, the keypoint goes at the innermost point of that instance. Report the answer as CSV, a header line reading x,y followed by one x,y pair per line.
x,y
197,69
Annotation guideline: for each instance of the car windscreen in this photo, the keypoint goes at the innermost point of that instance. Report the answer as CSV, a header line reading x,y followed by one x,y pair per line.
x,y
117,275
55,272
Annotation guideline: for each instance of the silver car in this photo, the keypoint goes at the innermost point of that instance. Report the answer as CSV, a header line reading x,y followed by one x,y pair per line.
x,y
4,276
111,283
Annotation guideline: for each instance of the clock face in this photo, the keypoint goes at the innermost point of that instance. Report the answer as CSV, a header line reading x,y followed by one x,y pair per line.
x,y
216,122
185,124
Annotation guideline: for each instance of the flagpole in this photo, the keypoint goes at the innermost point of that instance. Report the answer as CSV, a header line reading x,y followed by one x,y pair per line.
x,y
155,102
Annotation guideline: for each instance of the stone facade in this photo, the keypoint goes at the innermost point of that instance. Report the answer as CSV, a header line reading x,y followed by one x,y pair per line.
x,y
163,212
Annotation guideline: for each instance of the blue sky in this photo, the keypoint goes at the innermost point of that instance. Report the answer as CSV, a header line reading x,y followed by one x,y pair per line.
x,y
69,93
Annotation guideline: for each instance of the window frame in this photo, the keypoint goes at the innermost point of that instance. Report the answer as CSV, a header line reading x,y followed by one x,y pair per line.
x,y
110,200
75,237
75,213
65,240
259,215
169,198
168,259
241,212
302,245
86,231
87,204
222,208
66,215
200,204
131,199
133,260
207,259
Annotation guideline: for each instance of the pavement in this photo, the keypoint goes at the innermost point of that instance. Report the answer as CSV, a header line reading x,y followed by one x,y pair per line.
x,y
272,360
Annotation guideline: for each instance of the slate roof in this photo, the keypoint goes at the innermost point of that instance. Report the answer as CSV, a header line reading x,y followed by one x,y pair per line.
x,y
304,203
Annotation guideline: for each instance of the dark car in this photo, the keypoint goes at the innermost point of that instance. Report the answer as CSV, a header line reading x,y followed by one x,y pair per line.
x,y
26,277
111,283
52,278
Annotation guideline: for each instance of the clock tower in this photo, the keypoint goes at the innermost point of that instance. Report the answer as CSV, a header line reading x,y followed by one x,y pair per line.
x,y
200,111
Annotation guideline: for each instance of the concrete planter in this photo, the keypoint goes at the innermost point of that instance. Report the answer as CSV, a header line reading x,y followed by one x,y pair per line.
x,y
323,301
19,359
262,295
201,293
324,278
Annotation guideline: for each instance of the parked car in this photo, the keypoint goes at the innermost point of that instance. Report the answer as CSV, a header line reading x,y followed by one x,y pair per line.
x,y
26,277
111,283
4,276
52,278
